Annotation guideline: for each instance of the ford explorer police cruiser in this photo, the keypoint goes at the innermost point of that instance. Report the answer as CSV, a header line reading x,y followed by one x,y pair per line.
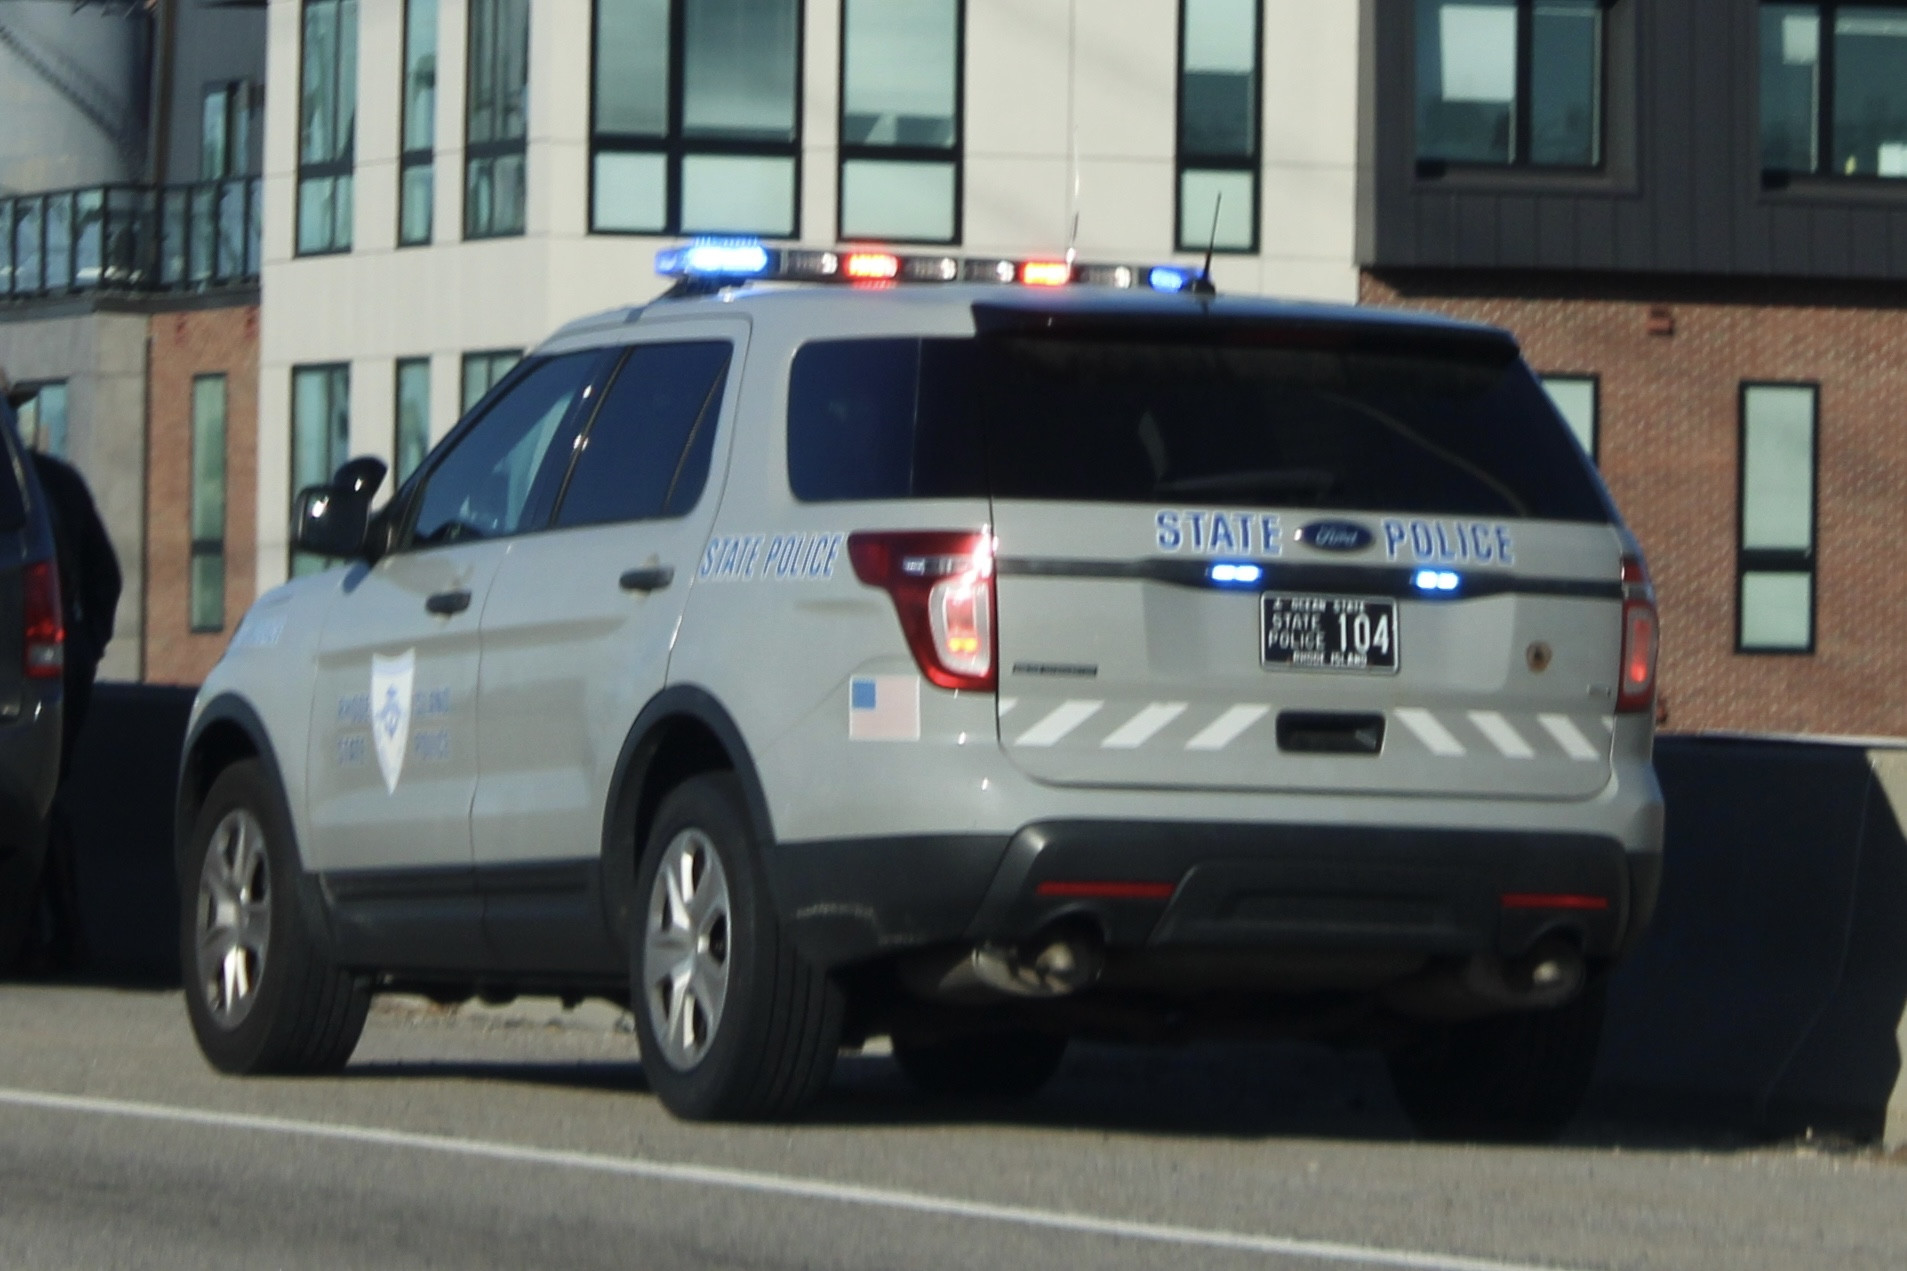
x,y
1003,653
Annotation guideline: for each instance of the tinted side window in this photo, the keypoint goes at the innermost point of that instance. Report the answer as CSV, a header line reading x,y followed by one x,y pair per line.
x,y
647,453
852,412
500,476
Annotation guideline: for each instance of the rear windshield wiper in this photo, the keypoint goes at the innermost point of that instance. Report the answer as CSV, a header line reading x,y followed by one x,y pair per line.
x,y
1282,482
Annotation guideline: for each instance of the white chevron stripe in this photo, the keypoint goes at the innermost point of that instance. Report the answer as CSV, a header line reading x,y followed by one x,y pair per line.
x,y
1569,737
1006,706
1430,732
1140,729
1502,735
1062,720
1224,730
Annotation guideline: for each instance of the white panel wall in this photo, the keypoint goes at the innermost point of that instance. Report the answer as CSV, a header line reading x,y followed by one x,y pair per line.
x,y
1069,112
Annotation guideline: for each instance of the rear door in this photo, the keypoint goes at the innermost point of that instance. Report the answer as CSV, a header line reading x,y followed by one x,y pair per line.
x,y
1290,557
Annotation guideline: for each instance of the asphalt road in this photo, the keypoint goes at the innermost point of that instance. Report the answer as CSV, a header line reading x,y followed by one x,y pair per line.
x,y
498,1141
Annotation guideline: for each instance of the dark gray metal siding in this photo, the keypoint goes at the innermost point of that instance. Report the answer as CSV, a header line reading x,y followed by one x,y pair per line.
x,y
212,43
1681,192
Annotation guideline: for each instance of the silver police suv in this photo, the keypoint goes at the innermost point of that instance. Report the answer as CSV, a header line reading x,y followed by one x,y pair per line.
x,y
972,662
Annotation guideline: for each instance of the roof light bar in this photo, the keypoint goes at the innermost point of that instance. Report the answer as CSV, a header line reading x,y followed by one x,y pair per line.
x,y
715,262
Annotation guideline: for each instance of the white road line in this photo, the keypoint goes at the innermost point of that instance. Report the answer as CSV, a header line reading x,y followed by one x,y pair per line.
x,y
1502,735
1569,737
1430,732
1139,730
1224,730
763,1183
1062,720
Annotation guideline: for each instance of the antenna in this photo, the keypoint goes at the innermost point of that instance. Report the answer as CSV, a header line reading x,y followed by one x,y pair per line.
x,y
1202,285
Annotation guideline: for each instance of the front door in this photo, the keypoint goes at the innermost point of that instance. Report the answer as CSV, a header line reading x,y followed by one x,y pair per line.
x,y
394,753
576,640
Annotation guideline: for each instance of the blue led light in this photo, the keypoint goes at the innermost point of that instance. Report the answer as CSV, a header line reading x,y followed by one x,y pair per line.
x,y
714,260
1166,278
1225,573
1435,580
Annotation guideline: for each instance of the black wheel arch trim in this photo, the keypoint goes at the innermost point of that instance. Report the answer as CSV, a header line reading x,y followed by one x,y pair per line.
x,y
640,750
234,710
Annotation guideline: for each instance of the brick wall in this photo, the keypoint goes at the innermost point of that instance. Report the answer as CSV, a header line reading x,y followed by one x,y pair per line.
x,y
1669,445
184,346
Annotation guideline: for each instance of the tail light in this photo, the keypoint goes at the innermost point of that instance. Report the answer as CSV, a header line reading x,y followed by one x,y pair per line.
x,y
1636,688
941,582
45,640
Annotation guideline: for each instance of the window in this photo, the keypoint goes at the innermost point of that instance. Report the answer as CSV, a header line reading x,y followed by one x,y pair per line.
x,y
1510,82
1415,427
207,578
417,144
225,131
695,118
481,371
1833,107
412,441
1219,77
327,126
43,419
647,453
1576,398
1775,563
320,434
497,120
501,474
901,82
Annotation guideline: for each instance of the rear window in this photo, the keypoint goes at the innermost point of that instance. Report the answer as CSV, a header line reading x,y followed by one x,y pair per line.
x,y
1442,430
12,454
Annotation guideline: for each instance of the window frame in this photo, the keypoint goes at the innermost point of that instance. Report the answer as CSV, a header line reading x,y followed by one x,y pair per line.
x,y
208,548
1783,178
465,409
409,160
1519,161
39,388
1763,560
292,554
1594,380
333,169
479,151
1184,161
398,367
861,152
674,147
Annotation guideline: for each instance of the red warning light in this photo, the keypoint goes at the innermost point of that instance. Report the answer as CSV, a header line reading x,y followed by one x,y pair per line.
x,y
1046,273
873,266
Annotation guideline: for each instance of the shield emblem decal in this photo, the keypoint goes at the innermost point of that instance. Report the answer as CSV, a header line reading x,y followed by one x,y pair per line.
x,y
391,712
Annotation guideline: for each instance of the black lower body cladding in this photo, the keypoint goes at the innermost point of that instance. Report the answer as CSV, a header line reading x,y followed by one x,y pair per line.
x,y
1165,884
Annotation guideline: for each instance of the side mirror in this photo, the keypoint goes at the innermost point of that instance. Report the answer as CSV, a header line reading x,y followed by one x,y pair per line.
x,y
334,520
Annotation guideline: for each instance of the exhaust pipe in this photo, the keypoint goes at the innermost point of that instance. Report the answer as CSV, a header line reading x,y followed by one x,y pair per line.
x,y
1550,974
1056,963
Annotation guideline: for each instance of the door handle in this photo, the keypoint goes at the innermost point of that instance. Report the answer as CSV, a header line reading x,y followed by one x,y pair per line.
x,y
648,578
447,603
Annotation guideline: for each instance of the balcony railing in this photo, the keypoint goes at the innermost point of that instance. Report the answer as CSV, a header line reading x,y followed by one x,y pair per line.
x,y
130,238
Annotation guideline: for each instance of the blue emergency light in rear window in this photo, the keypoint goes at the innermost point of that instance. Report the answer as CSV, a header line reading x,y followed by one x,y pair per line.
x,y
722,261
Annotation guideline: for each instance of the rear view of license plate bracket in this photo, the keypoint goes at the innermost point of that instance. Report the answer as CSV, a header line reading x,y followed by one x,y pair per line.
x,y
1304,631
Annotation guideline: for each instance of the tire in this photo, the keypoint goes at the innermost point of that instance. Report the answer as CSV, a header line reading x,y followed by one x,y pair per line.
x,y
733,1022
1004,1066
1515,1078
261,995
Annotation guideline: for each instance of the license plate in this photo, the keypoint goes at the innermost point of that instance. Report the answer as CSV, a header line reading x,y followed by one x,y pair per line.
x,y
1329,633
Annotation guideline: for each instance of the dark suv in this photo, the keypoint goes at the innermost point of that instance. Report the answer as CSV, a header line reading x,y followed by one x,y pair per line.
x,y
32,654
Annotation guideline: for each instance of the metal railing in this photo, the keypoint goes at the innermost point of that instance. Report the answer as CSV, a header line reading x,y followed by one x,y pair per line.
x,y
130,238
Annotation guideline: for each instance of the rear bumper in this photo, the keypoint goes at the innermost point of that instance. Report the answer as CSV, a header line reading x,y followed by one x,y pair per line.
x,y
1218,885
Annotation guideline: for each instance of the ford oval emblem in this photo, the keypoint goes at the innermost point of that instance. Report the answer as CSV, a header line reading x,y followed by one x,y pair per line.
x,y
1336,536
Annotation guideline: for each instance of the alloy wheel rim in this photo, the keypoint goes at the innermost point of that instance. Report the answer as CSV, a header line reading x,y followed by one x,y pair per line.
x,y
686,948
234,918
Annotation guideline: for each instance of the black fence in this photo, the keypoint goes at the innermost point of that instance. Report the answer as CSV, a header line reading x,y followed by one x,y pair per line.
x,y
130,238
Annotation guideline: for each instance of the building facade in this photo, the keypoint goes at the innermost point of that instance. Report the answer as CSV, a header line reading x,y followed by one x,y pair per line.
x,y
456,178
1693,214
129,216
